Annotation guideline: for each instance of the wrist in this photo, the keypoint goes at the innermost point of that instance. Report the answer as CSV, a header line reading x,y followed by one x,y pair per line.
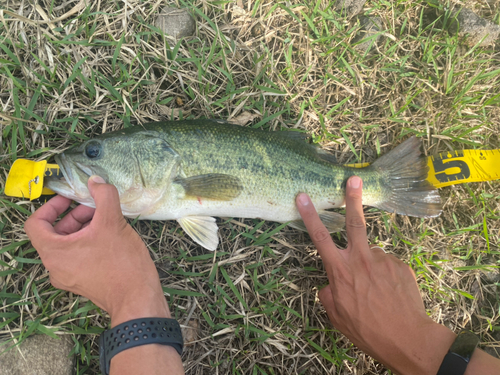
x,y
145,304
424,352
126,345
482,363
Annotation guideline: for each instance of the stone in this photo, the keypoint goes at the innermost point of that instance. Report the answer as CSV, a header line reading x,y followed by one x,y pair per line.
x,y
190,332
492,276
349,8
42,355
176,22
369,26
473,28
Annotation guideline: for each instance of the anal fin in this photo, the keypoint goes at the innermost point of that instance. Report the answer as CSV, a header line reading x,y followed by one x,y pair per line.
x,y
202,229
332,221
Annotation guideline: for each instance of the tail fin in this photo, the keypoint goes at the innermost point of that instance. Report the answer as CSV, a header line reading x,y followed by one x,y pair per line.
x,y
409,191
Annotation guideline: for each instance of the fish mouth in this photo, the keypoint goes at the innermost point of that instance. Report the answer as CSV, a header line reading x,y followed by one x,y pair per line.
x,y
61,161
73,184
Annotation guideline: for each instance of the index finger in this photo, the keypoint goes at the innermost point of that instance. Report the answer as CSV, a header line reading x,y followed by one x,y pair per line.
x,y
39,225
319,234
74,220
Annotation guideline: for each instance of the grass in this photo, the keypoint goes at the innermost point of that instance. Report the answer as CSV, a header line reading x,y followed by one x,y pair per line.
x,y
271,65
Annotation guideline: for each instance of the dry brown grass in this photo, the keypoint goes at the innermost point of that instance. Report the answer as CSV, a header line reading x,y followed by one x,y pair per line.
x,y
415,81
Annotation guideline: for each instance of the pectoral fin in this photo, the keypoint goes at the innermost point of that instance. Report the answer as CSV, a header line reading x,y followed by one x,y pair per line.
x,y
202,229
333,222
216,186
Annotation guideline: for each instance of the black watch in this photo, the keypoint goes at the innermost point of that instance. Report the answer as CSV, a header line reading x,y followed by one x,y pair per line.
x,y
456,360
138,332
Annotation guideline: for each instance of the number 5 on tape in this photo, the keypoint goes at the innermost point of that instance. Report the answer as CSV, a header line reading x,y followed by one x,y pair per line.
x,y
458,167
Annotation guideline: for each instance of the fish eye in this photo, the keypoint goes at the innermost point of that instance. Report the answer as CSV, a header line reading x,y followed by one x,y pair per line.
x,y
93,150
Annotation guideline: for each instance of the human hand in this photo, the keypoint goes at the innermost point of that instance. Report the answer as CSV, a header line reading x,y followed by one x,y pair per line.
x,y
95,253
372,297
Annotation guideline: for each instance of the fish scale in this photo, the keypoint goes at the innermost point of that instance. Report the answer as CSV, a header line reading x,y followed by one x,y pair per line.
x,y
268,165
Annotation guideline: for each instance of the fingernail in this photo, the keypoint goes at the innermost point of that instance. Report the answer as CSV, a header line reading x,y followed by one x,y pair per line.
x,y
97,179
354,182
303,199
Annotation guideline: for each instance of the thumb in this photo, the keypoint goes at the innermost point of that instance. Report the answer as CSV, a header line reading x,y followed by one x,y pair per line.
x,y
106,198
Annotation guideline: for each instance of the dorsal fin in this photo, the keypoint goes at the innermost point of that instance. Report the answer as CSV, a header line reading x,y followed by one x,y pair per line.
x,y
295,135
325,155
312,148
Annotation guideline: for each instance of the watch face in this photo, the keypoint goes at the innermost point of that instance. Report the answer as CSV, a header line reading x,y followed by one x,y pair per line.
x,y
464,345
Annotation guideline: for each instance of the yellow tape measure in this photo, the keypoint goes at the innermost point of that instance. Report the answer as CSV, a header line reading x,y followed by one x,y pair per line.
x,y
25,178
459,167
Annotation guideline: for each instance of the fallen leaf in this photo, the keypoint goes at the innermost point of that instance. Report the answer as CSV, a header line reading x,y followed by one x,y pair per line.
x,y
243,118
190,332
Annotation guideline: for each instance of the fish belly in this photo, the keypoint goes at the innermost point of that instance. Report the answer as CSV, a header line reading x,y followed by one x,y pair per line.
x,y
257,208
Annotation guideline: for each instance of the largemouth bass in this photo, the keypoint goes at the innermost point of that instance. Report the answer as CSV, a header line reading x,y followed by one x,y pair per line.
x,y
191,171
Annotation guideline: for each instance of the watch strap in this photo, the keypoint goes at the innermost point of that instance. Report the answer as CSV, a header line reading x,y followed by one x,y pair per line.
x,y
138,332
456,360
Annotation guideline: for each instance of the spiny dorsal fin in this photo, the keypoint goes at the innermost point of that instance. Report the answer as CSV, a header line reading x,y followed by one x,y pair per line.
x,y
312,148
202,230
322,154
295,135
315,149
216,186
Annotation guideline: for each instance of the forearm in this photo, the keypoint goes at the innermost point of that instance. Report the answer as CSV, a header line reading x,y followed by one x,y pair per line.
x,y
427,352
483,363
423,353
147,359
147,301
